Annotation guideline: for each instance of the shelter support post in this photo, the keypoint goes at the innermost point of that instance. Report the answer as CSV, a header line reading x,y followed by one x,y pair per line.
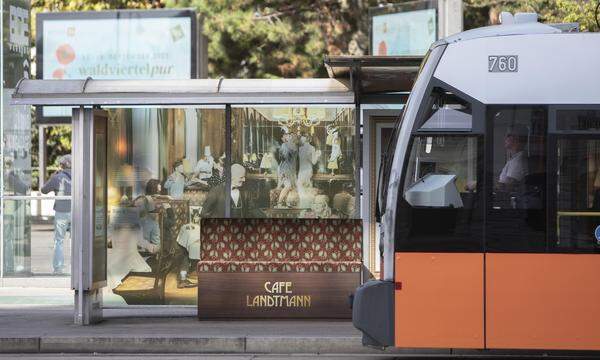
x,y
88,293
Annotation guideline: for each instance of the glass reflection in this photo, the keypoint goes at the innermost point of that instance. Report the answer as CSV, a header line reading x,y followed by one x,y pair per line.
x,y
164,167
17,237
299,161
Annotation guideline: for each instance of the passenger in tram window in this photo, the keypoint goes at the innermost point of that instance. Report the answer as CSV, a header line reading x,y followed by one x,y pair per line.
x,y
516,168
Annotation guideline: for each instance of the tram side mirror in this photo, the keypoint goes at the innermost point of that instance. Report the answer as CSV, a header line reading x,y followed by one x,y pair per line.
x,y
434,190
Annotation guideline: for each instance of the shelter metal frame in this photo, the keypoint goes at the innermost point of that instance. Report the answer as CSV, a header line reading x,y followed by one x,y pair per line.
x,y
86,95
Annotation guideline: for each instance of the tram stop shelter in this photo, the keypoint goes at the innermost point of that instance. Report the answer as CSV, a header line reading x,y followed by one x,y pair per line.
x,y
178,181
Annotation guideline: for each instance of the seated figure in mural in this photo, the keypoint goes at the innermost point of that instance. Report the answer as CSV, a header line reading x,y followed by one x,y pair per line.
x,y
150,241
241,205
188,249
344,204
177,181
319,210
204,166
287,171
125,235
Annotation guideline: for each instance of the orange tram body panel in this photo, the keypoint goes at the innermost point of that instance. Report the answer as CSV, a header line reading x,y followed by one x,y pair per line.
x,y
497,301
543,301
439,300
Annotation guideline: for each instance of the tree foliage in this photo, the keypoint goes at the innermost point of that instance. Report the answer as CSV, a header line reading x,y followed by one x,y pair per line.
x,y
277,38
284,38
485,12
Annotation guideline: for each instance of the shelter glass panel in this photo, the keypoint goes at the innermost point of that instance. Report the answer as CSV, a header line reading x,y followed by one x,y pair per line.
x,y
16,124
17,237
37,239
163,166
293,162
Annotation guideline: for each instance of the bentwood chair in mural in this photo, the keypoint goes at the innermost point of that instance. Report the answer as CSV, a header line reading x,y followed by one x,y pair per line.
x,y
148,288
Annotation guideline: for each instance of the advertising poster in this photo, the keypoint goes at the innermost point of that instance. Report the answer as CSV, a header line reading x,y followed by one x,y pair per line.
x,y
403,33
129,46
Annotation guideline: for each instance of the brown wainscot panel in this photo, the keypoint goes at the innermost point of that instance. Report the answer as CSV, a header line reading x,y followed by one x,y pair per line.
x,y
275,295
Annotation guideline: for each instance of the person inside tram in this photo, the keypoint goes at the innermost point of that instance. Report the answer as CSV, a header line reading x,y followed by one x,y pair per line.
x,y
516,168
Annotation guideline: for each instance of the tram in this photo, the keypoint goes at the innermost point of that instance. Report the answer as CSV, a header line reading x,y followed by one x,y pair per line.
x,y
489,200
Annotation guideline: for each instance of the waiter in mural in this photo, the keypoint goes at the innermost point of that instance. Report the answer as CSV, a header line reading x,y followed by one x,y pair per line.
x,y
241,206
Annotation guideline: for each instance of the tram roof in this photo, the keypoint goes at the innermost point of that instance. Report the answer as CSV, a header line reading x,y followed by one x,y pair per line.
x,y
182,92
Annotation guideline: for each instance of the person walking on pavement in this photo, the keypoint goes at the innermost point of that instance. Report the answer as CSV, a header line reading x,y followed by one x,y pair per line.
x,y
60,183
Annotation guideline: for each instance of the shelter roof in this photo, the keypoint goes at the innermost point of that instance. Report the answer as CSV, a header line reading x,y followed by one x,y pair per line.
x,y
192,92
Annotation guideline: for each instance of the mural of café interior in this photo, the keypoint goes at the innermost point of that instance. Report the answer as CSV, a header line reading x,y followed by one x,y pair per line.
x,y
245,198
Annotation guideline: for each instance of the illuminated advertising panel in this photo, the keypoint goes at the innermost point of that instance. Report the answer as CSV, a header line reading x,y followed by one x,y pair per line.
x,y
157,44
403,30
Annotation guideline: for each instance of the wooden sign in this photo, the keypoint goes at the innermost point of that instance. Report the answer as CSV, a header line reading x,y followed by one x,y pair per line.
x,y
275,295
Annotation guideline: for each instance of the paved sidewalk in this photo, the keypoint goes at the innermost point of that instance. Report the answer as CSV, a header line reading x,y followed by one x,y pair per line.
x,y
50,329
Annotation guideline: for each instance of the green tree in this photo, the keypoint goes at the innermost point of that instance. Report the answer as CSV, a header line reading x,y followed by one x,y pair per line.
x,y
485,12
267,39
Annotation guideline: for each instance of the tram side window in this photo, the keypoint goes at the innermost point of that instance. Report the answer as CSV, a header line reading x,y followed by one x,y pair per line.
x,y
516,217
440,209
578,183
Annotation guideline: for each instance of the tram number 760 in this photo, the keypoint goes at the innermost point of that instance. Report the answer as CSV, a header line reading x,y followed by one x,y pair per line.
x,y
503,63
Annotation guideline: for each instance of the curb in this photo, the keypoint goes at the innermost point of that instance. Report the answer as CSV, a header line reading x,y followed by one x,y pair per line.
x,y
130,345
185,345
20,345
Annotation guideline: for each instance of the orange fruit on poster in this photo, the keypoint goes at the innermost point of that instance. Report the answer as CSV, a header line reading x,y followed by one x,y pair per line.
x,y
58,74
65,54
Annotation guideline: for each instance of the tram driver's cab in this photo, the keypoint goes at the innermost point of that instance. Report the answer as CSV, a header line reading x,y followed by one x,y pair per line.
x,y
490,206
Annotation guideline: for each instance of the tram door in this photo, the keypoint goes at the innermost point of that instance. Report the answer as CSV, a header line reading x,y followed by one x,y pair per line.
x,y
439,260
543,222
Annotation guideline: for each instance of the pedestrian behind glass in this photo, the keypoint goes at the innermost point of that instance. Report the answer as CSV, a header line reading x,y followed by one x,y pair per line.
x,y
60,183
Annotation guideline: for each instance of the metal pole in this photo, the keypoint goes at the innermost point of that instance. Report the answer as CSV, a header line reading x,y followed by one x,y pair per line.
x,y
88,299
78,199
41,162
228,161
